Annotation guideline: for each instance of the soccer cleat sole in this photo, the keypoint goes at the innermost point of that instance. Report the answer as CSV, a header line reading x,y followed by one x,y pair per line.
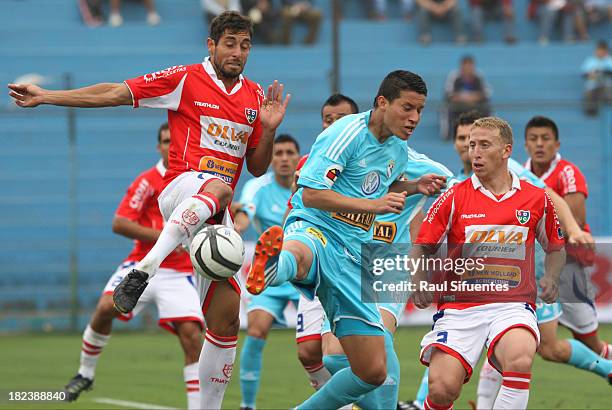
x,y
268,245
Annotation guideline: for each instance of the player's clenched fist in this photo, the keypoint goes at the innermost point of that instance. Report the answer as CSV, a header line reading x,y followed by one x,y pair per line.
x,y
26,95
422,298
391,203
550,290
431,184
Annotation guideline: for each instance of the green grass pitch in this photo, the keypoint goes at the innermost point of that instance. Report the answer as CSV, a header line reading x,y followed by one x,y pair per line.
x,y
147,368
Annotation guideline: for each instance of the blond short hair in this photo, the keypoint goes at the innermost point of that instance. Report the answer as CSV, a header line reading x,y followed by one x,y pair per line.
x,y
496,123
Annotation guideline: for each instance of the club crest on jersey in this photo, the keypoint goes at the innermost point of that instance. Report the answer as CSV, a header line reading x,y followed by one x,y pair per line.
x,y
370,183
390,167
251,115
523,216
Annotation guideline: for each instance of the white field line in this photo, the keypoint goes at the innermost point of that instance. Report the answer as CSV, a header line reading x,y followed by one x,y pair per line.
x,y
131,404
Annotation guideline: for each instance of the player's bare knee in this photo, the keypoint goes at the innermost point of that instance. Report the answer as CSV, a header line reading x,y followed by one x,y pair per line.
x,y
444,390
258,332
303,257
106,308
548,351
226,328
518,363
376,374
309,354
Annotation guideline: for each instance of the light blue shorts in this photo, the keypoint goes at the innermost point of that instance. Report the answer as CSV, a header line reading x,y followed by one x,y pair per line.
x,y
337,281
274,300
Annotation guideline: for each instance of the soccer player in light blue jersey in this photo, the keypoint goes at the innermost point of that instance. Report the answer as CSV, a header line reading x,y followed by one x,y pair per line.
x,y
397,229
263,204
353,173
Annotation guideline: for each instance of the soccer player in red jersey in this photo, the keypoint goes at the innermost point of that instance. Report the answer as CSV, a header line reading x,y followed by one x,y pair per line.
x,y
496,217
566,179
138,218
218,118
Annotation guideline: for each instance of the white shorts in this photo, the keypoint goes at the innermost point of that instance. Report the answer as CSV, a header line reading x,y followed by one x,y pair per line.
x,y
173,293
576,294
310,317
180,188
464,333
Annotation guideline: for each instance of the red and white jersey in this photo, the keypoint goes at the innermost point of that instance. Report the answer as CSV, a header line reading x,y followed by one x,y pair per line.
x,y
140,205
564,178
211,129
501,230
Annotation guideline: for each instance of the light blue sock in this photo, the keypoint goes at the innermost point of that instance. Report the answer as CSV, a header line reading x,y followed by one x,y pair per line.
x,y
287,268
385,396
423,389
250,367
343,388
335,362
584,358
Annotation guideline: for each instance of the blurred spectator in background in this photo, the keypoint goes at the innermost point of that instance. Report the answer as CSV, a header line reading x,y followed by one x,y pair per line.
x,y
300,10
597,72
440,10
378,9
548,12
495,9
91,12
212,8
598,11
115,19
263,15
465,90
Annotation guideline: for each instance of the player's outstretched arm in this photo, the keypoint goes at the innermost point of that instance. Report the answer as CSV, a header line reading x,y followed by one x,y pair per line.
x,y
428,184
98,95
332,201
272,112
553,265
130,229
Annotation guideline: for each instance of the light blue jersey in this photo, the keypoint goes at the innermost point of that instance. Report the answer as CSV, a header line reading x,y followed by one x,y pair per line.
x,y
348,159
266,207
264,200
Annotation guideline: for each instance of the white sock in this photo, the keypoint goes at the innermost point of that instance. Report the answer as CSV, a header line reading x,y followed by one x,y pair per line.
x,y
318,375
192,384
489,383
215,368
93,343
514,393
186,219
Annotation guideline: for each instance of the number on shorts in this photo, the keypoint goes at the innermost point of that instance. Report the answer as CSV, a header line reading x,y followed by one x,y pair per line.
x,y
300,322
442,337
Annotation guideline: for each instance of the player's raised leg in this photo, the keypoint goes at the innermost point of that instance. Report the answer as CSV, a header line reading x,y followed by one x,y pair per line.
x,y
187,217
219,350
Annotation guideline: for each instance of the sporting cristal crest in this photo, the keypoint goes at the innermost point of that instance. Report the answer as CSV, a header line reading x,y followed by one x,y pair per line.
x,y
251,115
523,216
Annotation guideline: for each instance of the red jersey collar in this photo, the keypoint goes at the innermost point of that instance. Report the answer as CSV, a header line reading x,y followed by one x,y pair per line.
x,y
160,167
516,185
213,75
551,168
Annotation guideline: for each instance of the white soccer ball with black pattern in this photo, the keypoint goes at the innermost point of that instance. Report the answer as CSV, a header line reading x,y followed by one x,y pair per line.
x,y
217,252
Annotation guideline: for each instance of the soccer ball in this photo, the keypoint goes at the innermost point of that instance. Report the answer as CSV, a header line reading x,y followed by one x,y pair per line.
x,y
217,252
